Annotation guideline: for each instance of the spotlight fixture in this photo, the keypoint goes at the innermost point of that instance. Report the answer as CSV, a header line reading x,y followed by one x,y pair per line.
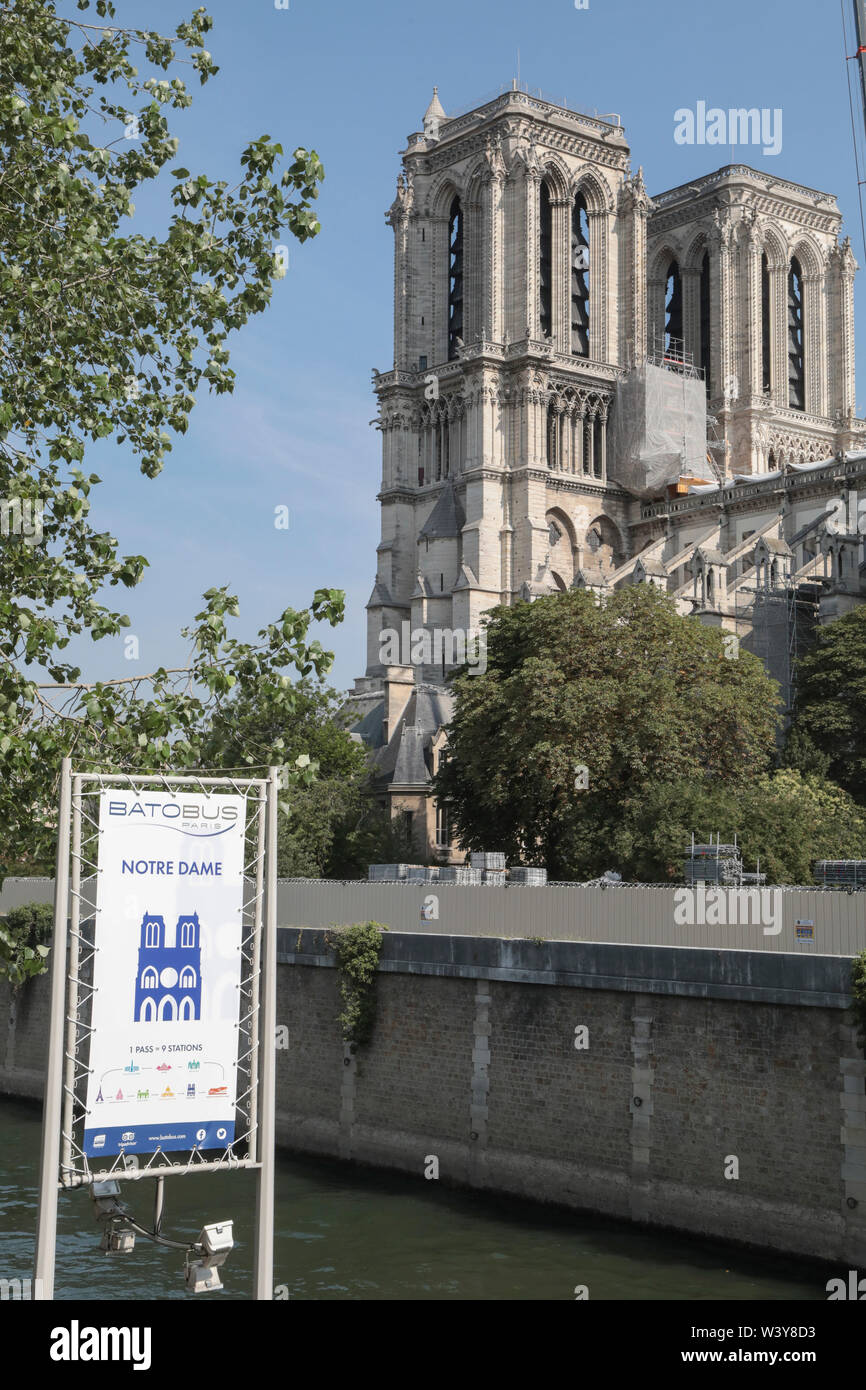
x,y
106,1199
201,1272
117,1238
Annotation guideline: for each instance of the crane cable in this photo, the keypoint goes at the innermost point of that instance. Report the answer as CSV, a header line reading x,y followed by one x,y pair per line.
x,y
848,59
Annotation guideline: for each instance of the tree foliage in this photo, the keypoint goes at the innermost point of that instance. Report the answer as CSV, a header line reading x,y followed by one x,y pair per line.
x,y
784,820
830,706
107,332
627,689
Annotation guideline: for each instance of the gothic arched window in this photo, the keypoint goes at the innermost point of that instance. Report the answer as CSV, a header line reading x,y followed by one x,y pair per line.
x,y
704,300
597,450
545,262
673,309
796,370
766,351
455,279
579,278
552,437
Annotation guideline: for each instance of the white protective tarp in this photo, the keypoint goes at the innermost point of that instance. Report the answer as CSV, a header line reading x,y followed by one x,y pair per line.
x,y
660,430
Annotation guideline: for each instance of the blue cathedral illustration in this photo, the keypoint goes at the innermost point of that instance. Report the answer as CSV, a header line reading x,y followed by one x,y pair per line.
x,y
168,980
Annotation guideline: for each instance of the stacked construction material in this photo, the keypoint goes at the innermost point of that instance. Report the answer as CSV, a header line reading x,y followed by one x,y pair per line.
x,y
487,861
461,873
390,873
529,877
487,868
841,873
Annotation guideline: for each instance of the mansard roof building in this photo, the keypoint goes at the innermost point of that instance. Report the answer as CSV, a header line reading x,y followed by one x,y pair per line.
x,y
594,387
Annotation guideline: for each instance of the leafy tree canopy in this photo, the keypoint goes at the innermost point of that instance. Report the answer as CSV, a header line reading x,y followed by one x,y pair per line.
x,y
627,689
830,710
106,332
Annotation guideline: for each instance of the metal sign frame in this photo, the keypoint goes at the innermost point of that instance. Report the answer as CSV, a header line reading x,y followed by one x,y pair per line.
x,y
64,1164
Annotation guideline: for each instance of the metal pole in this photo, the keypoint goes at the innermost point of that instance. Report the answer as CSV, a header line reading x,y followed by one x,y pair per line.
x,y
72,1002
255,1030
158,1206
46,1222
264,1243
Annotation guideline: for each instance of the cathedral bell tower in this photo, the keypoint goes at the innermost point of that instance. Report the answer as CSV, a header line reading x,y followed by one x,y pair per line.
x,y
519,295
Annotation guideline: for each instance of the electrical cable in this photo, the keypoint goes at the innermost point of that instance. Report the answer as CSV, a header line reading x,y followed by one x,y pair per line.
x,y
848,59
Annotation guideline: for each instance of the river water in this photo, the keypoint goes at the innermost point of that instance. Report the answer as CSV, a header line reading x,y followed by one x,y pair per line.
x,y
344,1232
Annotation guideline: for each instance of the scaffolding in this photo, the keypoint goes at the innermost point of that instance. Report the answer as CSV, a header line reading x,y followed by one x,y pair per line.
x,y
783,620
840,873
719,864
670,353
714,863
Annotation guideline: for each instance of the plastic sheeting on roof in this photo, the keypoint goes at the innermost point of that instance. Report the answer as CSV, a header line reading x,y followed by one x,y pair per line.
x,y
757,477
822,463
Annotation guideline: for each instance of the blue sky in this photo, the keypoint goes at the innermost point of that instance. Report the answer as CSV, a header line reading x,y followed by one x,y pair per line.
x,y
352,81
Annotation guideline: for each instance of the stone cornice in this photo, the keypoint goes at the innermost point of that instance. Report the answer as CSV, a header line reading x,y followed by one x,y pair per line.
x,y
740,175
686,214
534,110
527,353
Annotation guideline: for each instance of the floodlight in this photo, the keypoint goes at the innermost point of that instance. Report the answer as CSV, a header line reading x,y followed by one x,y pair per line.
x,y
202,1273
110,1187
106,1199
217,1238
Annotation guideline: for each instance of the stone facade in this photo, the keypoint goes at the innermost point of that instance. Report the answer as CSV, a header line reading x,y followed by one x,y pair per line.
x,y
538,292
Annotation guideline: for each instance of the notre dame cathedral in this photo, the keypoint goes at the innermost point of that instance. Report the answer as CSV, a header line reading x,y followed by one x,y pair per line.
x,y
594,387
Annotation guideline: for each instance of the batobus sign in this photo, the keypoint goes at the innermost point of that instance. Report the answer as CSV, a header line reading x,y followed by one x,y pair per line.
x,y
164,1045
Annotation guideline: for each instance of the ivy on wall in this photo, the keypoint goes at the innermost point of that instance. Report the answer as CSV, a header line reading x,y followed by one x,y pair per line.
x,y
358,949
23,934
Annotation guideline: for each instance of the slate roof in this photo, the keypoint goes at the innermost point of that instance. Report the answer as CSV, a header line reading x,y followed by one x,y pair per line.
x,y
447,518
407,758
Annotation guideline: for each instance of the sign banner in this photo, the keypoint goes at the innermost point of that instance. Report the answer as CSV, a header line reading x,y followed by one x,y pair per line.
x,y
167,972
